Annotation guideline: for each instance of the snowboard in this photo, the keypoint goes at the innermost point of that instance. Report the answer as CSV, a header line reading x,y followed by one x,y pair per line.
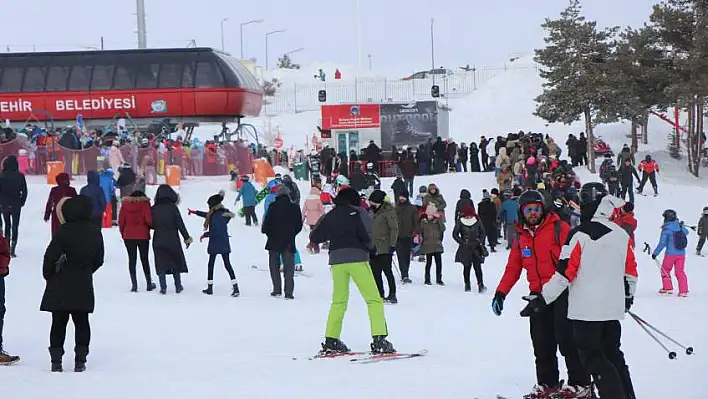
x,y
260,196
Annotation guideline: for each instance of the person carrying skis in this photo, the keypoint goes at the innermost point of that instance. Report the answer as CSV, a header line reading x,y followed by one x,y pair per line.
x,y
674,239
468,233
597,257
702,230
538,250
348,228
649,169
248,194
627,172
216,229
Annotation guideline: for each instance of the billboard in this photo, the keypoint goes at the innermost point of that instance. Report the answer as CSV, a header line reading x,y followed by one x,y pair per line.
x,y
408,124
350,116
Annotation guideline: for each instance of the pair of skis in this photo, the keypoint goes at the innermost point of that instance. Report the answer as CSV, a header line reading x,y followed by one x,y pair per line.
x,y
369,357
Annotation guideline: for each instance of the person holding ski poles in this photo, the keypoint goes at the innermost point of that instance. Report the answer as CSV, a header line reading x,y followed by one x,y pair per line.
x,y
649,169
674,239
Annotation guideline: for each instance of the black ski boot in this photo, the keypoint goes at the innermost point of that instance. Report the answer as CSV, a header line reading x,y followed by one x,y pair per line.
x,y
80,358
209,290
55,354
407,280
381,345
333,345
235,292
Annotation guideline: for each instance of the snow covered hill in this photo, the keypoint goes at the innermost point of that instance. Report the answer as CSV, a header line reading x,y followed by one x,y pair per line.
x,y
190,345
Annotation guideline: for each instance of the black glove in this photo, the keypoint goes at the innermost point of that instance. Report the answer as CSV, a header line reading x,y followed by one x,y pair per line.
x,y
536,305
372,253
628,302
653,256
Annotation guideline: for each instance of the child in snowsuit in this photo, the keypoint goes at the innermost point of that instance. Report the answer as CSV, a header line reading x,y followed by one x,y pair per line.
x,y
216,222
673,239
702,229
432,228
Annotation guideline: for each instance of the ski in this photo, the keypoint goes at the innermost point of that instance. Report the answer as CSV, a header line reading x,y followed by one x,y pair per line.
x,y
297,273
336,355
381,357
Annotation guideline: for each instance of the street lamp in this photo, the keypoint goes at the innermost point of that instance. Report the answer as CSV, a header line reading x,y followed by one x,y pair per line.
x,y
222,33
267,35
255,21
295,51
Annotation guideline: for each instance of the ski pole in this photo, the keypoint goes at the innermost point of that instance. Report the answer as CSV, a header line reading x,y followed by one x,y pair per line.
x,y
688,349
672,354
647,250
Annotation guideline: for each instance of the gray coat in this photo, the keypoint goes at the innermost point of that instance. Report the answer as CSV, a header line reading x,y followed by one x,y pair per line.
x,y
432,231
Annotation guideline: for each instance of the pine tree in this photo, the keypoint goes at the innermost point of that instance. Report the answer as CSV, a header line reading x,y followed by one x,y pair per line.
x,y
673,146
575,62
270,87
285,62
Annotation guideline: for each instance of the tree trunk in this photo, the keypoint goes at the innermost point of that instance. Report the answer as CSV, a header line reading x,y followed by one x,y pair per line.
x,y
695,142
645,128
635,142
591,139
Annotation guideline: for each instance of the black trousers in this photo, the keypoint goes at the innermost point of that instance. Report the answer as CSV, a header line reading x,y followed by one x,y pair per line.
x,y
648,176
249,212
227,266
467,268
485,161
404,246
438,266
11,218
381,264
551,330
627,189
133,246
599,348
82,333
288,271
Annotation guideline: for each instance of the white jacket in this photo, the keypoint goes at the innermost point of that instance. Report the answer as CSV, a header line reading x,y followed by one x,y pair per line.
x,y
598,268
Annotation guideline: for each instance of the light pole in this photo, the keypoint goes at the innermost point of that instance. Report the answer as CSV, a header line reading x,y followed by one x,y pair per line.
x,y
297,50
267,35
432,47
369,62
358,36
255,21
223,21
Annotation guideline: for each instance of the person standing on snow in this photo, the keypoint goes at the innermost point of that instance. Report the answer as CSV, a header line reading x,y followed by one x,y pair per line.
x,y
627,173
134,223
168,225
312,211
702,229
432,228
509,216
281,224
487,212
597,256
474,158
408,226
674,239
248,194
538,250
294,190
385,233
348,228
108,184
62,190
649,169
13,195
93,191
469,235
5,358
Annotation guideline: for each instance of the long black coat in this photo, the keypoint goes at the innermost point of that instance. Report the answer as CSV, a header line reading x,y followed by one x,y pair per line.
x,y
70,289
281,224
488,215
13,186
168,225
469,237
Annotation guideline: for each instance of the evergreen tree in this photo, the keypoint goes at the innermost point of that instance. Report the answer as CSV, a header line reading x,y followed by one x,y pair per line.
x,y
673,146
285,62
575,66
270,87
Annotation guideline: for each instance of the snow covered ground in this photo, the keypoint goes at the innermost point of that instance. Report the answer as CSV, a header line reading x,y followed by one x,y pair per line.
x,y
190,345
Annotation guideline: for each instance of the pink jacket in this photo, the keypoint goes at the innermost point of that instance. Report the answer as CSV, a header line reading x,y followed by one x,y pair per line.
x,y
115,158
313,208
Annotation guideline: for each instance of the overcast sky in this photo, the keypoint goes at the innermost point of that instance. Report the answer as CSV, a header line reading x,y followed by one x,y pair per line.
x,y
395,32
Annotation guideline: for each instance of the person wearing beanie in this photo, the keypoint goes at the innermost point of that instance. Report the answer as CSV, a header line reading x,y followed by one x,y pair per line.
x,y
247,194
385,234
281,224
216,222
432,228
348,228
408,227
468,233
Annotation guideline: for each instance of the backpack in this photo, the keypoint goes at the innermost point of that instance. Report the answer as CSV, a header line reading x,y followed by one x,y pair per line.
x,y
680,239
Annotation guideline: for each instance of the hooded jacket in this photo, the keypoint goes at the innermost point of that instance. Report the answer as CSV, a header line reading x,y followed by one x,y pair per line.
x,y
465,199
702,227
13,186
385,228
282,223
247,193
93,190
407,217
61,190
312,209
218,219
167,224
666,240
135,218
469,234
108,184
509,211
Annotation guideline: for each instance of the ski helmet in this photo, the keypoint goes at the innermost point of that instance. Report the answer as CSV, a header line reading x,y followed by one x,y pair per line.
x,y
530,197
647,158
669,215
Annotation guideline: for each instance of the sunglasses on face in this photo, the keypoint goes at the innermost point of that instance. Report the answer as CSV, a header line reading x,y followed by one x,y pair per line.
x,y
535,208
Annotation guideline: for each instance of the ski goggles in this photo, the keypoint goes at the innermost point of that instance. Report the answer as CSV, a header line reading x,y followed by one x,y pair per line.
x,y
532,208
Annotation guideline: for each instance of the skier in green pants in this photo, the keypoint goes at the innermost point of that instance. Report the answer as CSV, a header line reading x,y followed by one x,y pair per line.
x,y
347,227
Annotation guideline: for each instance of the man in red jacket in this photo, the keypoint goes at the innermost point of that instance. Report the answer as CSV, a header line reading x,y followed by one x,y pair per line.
x,y
649,169
537,249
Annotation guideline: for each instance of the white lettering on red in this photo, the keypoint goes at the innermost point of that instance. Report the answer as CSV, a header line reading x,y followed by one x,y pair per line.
x,y
101,103
18,105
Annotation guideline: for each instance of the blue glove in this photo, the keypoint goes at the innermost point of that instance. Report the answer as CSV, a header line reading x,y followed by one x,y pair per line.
x,y
498,303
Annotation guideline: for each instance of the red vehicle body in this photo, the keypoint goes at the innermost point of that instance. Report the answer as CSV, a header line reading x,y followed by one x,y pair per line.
x,y
191,84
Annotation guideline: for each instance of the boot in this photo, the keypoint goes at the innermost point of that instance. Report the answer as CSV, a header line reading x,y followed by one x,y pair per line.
x,y
235,293
12,249
391,299
333,345
134,283
468,287
55,355
381,345
80,358
481,288
150,285
209,290
7,359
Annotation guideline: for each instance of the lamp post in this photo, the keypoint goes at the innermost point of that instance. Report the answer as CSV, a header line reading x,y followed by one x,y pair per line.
x,y
297,50
267,35
255,21
432,47
369,62
223,21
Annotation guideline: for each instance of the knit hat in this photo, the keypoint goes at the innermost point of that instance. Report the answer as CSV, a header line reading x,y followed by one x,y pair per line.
x,y
467,211
215,200
347,196
377,197
628,207
422,189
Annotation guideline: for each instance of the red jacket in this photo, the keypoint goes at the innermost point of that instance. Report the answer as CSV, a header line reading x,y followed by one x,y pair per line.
x,y
135,218
648,167
61,190
628,222
541,262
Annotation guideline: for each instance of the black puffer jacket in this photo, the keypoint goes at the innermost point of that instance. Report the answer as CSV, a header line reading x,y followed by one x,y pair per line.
x,y
70,287
469,234
13,186
465,199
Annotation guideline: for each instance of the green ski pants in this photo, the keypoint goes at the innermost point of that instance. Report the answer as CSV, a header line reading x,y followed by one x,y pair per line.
x,y
360,272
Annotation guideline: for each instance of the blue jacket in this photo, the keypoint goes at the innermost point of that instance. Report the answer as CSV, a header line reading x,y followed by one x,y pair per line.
x,y
218,232
108,184
266,203
509,211
247,192
94,191
666,241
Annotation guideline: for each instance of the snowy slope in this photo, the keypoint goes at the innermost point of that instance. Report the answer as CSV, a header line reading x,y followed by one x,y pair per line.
x,y
147,346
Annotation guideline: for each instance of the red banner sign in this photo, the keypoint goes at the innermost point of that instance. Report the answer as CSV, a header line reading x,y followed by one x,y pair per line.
x,y
351,116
